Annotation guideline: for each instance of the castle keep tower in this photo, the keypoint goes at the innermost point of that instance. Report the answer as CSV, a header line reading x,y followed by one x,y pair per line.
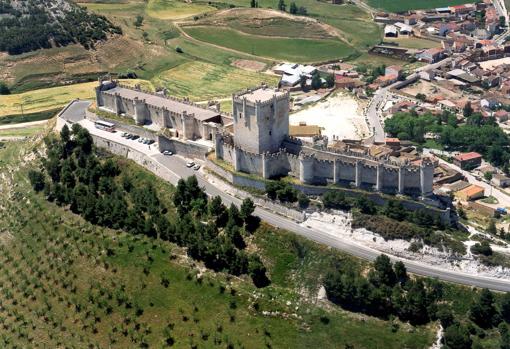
x,y
261,119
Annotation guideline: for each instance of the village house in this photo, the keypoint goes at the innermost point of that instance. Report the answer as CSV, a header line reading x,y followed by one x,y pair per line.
x,y
467,161
393,70
500,180
346,82
431,55
470,193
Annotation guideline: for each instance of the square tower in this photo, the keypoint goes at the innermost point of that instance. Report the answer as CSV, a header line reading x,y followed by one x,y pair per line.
x,y
261,119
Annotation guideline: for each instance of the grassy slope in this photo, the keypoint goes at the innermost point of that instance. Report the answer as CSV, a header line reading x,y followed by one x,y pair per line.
x,y
171,9
156,59
50,98
405,5
52,260
299,50
22,132
355,24
201,80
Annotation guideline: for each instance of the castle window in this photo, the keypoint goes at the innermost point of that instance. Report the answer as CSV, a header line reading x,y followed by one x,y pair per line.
x,y
240,115
270,133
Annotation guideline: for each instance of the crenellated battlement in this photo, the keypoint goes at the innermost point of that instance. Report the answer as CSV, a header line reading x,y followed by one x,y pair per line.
x,y
255,97
186,101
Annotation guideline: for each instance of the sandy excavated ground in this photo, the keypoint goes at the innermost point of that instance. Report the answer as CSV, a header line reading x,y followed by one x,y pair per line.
x,y
489,65
428,89
340,116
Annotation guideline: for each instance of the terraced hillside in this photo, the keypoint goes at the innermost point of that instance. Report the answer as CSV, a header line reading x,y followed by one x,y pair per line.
x,y
66,282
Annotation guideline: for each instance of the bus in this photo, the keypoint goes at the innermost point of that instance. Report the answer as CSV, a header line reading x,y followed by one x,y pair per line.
x,y
105,125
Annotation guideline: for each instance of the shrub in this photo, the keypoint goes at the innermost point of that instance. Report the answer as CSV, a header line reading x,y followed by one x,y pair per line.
x,y
4,90
482,248
36,179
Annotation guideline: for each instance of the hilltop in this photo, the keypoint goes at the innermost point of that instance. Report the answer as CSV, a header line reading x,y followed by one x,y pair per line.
x,y
32,25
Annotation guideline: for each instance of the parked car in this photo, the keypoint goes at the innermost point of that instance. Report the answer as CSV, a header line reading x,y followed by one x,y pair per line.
x,y
190,164
168,152
123,134
141,140
135,137
196,167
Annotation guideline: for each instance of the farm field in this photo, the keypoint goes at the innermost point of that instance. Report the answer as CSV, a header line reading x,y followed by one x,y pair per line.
x,y
106,287
202,81
353,24
414,43
405,5
299,50
49,98
174,9
265,22
149,57
22,132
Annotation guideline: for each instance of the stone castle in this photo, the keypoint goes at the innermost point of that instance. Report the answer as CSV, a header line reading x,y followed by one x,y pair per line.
x,y
255,139
186,120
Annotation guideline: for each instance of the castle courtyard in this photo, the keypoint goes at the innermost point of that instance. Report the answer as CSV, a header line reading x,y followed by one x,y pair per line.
x,y
340,115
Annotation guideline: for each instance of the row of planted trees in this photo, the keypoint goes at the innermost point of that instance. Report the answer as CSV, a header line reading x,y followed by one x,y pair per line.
x,y
103,194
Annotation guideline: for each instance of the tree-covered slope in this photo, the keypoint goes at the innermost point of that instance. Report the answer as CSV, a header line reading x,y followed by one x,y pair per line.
x,y
28,25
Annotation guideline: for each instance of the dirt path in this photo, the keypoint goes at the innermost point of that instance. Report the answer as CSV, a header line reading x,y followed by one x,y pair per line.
x,y
335,32
22,125
189,37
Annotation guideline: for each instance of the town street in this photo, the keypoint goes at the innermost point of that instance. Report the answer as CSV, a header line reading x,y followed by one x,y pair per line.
x,y
177,166
504,199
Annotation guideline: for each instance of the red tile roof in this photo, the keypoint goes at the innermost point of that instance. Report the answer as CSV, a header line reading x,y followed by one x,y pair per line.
x,y
468,156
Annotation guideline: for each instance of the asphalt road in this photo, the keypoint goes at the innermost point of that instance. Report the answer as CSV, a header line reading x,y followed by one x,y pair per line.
x,y
75,111
374,119
177,165
503,199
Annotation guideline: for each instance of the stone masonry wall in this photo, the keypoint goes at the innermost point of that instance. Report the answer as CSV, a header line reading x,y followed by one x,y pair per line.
x,y
189,150
250,163
136,156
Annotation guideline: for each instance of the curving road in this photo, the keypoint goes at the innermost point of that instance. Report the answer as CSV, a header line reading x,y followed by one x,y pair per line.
x,y
177,166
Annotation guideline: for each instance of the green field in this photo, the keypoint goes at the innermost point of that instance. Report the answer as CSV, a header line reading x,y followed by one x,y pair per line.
x,y
414,43
298,50
406,5
201,81
175,9
150,51
22,132
50,98
68,283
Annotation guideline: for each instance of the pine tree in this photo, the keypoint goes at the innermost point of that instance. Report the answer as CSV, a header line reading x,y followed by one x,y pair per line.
x,y
293,8
247,209
281,5
491,228
483,311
